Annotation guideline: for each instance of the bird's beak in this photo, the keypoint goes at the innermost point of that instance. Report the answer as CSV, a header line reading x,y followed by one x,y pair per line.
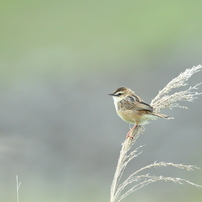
x,y
111,94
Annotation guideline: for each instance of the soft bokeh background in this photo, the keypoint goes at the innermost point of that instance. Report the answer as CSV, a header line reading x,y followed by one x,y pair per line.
x,y
58,128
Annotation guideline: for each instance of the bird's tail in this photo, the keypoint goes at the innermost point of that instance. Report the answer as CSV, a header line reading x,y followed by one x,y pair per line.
x,y
162,115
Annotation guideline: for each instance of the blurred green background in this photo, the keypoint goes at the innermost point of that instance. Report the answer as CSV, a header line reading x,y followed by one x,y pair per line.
x,y
58,128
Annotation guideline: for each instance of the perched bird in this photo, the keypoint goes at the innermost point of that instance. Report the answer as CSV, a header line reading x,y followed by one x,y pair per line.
x,y
133,109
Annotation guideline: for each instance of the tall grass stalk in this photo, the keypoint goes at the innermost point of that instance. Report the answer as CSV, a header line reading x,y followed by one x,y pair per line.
x,y
138,179
17,188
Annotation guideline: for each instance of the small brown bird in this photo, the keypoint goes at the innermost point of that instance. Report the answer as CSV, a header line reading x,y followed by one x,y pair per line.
x,y
133,109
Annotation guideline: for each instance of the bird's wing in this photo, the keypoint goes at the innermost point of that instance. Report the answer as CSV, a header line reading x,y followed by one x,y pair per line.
x,y
143,106
135,103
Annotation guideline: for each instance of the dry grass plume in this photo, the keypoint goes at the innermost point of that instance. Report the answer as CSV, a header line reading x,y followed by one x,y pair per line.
x,y
139,179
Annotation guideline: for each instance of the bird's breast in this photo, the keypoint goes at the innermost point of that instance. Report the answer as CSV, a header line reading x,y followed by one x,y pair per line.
x,y
127,116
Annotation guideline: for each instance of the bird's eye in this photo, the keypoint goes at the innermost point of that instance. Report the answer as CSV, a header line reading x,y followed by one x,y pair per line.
x,y
118,94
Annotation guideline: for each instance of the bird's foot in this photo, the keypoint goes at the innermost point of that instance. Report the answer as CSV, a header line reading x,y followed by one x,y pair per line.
x,y
130,132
